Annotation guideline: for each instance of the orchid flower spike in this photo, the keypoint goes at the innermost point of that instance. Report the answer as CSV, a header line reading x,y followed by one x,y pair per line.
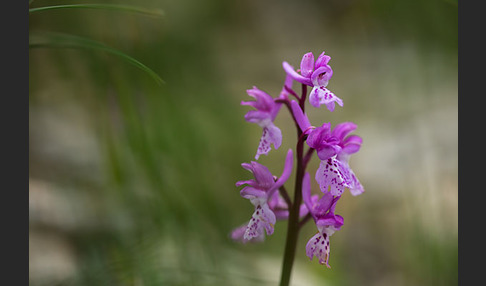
x,y
260,192
316,74
264,115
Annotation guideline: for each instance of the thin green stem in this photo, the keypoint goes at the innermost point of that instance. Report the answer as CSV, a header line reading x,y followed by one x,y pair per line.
x,y
293,222
294,211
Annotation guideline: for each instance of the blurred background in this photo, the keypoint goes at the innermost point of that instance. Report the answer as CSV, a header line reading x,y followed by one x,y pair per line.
x,y
131,182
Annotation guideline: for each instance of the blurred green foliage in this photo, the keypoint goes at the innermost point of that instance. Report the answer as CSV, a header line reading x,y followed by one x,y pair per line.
x,y
148,170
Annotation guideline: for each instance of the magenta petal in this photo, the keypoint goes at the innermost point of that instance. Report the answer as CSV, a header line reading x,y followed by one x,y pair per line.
x,y
263,176
289,81
327,151
318,135
335,221
257,116
322,60
252,183
352,144
281,214
303,210
251,193
289,161
300,117
321,76
297,77
324,204
307,65
343,129
263,100
306,191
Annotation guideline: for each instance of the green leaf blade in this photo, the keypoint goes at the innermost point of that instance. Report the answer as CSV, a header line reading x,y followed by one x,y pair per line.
x,y
113,7
59,40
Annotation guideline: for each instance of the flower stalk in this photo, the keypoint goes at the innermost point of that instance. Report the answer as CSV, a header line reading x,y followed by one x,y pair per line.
x,y
293,222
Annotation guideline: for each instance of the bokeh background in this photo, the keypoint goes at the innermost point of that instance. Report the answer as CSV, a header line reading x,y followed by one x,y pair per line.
x,y
132,182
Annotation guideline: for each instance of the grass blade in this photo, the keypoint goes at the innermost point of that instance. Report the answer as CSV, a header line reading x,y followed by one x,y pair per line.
x,y
149,12
59,40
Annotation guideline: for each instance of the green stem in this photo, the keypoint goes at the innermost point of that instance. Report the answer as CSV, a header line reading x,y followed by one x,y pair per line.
x,y
294,210
293,222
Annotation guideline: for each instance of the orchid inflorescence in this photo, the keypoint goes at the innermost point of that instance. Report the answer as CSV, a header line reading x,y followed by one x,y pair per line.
x,y
333,147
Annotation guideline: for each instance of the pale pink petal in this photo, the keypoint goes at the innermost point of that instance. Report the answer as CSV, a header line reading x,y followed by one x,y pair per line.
x,y
318,246
320,95
330,174
262,220
271,134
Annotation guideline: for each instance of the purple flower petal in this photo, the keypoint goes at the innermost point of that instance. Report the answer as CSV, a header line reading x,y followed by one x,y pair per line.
x,y
289,161
300,117
327,151
352,144
252,183
322,60
263,101
287,85
306,191
343,129
323,205
307,65
252,193
263,176
258,117
331,222
297,77
321,76
318,135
